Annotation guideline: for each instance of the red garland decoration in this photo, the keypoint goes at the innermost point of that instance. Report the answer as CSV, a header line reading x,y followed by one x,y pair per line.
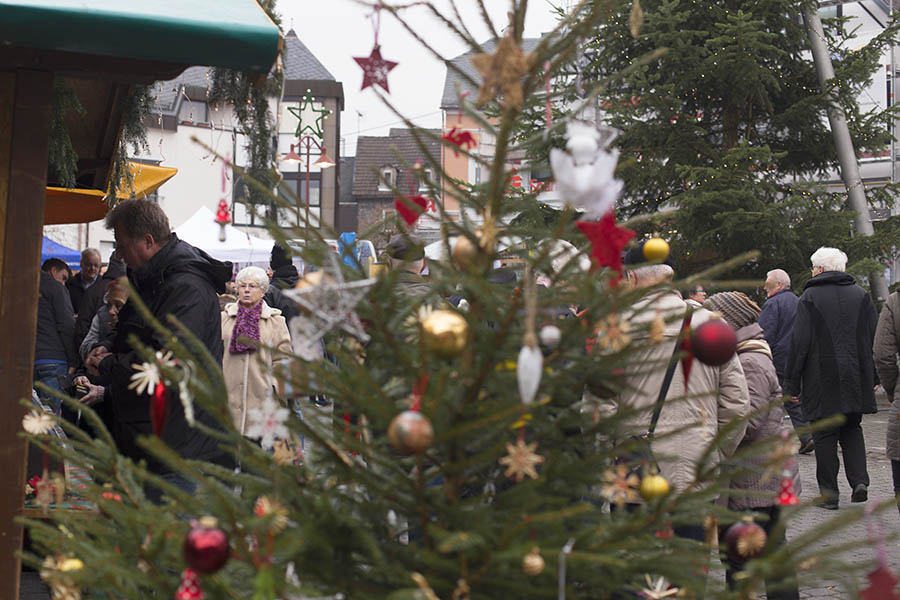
x,y
189,589
460,138
607,242
159,407
375,69
881,585
407,207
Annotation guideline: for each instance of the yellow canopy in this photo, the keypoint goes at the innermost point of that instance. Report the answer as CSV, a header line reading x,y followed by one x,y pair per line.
x,y
85,205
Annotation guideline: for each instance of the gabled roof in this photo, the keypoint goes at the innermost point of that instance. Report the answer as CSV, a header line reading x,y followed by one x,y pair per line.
x,y
455,83
299,63
195,80
398,149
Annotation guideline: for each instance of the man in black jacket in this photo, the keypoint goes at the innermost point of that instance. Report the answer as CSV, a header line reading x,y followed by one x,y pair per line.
x,y
284,276
54,351
81,282
831,368
172,278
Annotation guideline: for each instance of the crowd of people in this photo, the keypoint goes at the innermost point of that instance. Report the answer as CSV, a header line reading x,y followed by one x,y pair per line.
x,y
816,357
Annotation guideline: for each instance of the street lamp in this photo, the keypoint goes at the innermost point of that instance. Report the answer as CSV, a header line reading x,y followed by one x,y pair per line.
x,y
323,163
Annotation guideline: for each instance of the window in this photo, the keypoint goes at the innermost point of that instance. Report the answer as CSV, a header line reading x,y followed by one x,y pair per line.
x,y
387,179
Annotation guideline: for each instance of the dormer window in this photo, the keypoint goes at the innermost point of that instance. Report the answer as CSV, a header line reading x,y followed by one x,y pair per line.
x,y
387,179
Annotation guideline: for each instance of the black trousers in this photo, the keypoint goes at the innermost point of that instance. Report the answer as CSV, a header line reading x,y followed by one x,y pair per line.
x,y
853,448
895,474
783,587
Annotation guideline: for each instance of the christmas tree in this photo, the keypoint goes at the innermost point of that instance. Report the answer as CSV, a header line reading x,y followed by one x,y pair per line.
x,y
461,460
723,128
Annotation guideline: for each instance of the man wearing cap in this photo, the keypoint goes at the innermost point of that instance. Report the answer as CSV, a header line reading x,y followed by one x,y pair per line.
x,y
697,407
407,257
777,321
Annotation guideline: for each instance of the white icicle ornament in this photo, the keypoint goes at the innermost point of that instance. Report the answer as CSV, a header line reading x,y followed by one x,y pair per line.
x,y
528,372
584,174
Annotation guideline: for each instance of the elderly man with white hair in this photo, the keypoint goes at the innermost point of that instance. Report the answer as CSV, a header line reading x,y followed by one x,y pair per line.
x,y
777,320
831,369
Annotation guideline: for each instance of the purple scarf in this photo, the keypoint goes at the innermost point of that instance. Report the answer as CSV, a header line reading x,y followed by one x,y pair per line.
x,y
247,326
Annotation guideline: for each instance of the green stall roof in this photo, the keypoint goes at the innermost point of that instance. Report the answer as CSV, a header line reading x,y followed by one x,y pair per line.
x,y
219,33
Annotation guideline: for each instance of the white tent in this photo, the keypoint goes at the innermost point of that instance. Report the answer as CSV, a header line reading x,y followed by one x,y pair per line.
x,y
202,231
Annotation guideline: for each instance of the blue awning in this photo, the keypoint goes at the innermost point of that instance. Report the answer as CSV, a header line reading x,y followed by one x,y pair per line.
x,y
50,249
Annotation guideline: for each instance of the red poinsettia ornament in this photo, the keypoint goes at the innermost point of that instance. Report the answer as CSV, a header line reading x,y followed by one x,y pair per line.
x,y
881,585
607,241
410,208
460,138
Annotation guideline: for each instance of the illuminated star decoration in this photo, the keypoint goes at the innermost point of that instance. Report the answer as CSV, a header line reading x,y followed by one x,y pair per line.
x,y
521,460
607,241
502,72
375,69
881,585
460,138
308,105
331,304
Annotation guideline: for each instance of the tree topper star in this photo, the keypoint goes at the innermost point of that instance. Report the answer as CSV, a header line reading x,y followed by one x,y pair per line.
x,y
375,69
502,72
521,460
316,131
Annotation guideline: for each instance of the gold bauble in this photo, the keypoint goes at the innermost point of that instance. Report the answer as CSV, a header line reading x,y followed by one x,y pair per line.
x,y
656,249
411,432
445,332
468,255
533,563
654,486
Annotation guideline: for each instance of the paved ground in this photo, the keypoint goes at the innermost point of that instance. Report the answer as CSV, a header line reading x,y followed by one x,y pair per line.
x,y
841,528
862,558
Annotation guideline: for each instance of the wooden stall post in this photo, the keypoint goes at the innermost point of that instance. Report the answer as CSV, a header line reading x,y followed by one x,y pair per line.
x,y
25,97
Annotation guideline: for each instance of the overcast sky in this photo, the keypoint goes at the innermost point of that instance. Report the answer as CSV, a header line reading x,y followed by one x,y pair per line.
x,y
337,30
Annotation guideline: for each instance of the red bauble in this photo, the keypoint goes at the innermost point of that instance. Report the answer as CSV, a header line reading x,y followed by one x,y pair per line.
x,y
411,432
206,546
744,540
714,343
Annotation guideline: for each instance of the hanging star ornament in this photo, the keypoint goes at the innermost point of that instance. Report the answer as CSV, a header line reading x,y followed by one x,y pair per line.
x,y
502,72
607,242
881,585
658,589
375,69
521,461
308,106
331,304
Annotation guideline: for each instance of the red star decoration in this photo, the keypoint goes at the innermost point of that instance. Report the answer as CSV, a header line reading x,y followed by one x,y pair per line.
x,y
881,585
410,208
607,241
375,69
460,138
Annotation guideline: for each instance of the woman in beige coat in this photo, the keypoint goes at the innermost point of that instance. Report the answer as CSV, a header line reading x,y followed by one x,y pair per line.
x,y
249,366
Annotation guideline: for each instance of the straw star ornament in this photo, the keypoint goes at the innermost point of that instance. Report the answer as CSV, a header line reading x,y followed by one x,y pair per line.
x,y
502,72
521,460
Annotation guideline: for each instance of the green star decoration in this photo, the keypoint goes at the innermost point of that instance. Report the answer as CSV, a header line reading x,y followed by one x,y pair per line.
x,y
297,111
